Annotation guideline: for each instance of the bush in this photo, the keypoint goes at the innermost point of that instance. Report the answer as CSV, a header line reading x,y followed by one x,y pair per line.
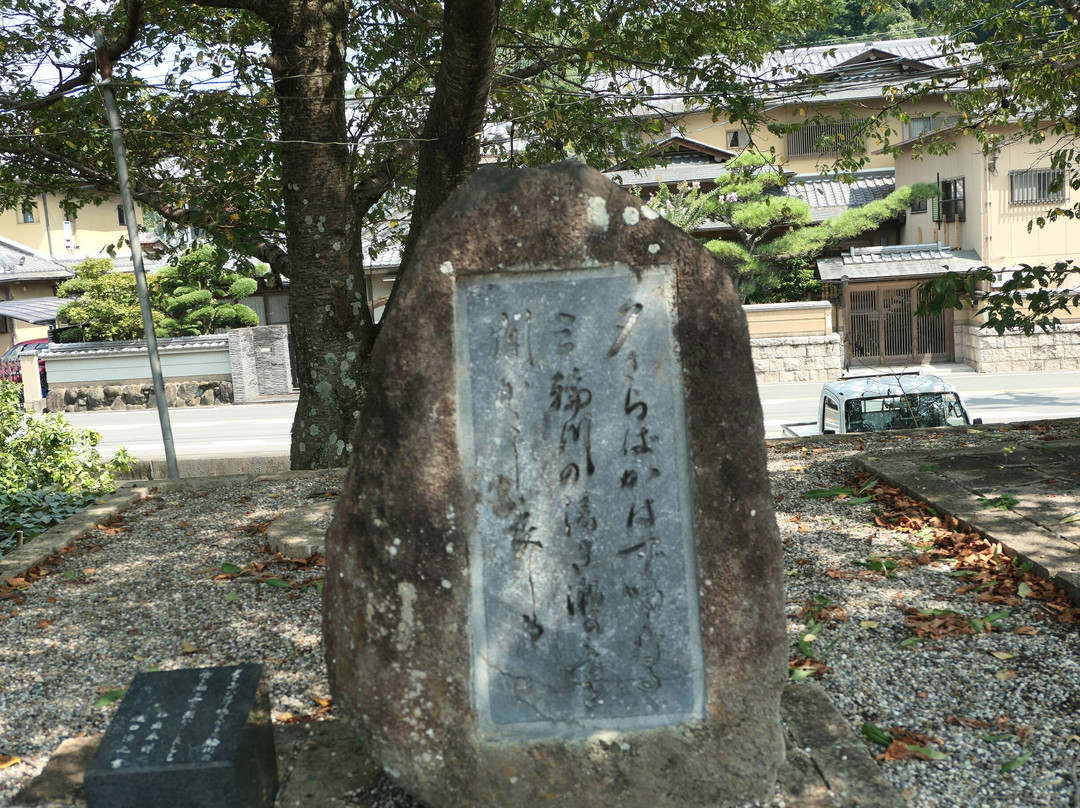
x,y
48,469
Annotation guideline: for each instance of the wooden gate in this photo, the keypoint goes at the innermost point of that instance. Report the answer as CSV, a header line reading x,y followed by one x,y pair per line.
x,y
882,327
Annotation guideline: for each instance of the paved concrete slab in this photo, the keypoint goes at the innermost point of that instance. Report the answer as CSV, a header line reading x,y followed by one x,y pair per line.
x,y
1043,477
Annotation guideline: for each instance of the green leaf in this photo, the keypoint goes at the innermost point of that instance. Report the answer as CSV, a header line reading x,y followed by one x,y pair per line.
x,y
277,582
1072,517
858,500
1023,590
231,596
1016,763
231,569
931,754
998,736
108,697
876,734
909,641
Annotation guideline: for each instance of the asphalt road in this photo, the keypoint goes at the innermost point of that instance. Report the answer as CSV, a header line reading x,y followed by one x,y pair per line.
x,y
239,430
263,429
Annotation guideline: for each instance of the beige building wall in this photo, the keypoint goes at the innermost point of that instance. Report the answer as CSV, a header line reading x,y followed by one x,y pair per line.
x,y
996,227
965,161
53,233
1010,242
700,126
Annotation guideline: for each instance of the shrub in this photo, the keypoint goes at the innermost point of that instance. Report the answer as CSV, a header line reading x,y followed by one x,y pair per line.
x,y
48,469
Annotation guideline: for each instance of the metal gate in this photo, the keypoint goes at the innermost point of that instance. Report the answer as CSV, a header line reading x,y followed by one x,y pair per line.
x,y
882,327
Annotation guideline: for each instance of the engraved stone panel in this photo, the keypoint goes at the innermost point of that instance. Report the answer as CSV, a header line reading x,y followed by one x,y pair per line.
x,y
554,576
200,738
584,597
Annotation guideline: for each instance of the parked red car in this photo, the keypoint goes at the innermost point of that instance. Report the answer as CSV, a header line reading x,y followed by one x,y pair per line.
x,y
10,365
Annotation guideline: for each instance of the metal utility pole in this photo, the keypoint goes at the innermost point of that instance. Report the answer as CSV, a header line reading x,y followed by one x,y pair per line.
x,y
105,85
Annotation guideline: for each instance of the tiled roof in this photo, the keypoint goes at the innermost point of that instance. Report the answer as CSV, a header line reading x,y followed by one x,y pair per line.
x,y
821,59
853,69
19,262
828,198
165,345
905,260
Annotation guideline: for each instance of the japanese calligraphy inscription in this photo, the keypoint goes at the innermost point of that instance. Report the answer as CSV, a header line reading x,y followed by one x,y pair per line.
x,y
584,608
194,737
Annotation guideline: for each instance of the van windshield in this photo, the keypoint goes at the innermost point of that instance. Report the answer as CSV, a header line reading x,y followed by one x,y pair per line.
x,y
904,412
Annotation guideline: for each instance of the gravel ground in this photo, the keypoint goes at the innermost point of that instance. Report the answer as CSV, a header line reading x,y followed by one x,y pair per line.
x,y
151,591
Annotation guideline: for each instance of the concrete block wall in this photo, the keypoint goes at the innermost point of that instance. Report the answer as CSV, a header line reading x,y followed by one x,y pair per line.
x,y
259,360
797,359
990,352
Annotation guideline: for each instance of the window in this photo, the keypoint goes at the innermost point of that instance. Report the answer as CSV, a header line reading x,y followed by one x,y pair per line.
x,y
4,326
737,138
820,138
1036,185
830,416
120,217
904,411
951,208
918,206
27,214
918,126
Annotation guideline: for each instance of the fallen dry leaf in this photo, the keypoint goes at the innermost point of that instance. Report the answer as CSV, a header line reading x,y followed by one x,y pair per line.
x,y
8,760
970,723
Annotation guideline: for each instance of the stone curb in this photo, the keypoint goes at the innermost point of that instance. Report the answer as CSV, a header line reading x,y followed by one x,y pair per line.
x,y
1015,533
57,537
128,492
827,764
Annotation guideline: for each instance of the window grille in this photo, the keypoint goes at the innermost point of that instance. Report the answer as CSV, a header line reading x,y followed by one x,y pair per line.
x,y
1036,185
821,138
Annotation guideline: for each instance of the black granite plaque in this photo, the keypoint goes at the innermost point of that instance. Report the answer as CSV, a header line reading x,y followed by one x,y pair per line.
x,y
197,738
573,433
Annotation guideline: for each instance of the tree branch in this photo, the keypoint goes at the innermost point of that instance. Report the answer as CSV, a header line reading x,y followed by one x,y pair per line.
x,y
84,71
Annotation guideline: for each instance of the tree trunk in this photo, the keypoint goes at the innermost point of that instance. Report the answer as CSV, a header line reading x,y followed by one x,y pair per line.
x,y
331,324
450,143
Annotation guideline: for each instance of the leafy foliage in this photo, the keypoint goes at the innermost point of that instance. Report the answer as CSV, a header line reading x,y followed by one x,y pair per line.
x,y
771,257
1028,298
107,305
48,469
194,296
308,169
200,294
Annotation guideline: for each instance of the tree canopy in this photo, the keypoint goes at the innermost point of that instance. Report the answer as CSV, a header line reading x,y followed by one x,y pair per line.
x,y
194,296
299,132
771,254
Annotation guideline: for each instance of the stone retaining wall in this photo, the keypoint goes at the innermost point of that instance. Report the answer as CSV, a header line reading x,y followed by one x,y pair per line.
x,y
990,352
138,396
797,359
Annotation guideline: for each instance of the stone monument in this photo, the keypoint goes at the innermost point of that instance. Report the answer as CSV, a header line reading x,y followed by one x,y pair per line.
x,y
554,574
197,737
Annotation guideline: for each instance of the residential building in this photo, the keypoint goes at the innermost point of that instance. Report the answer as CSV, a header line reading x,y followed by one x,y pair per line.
x,y
981,218
39,245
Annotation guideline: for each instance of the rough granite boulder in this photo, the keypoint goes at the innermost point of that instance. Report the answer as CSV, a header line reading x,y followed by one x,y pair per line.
x,y
657,681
